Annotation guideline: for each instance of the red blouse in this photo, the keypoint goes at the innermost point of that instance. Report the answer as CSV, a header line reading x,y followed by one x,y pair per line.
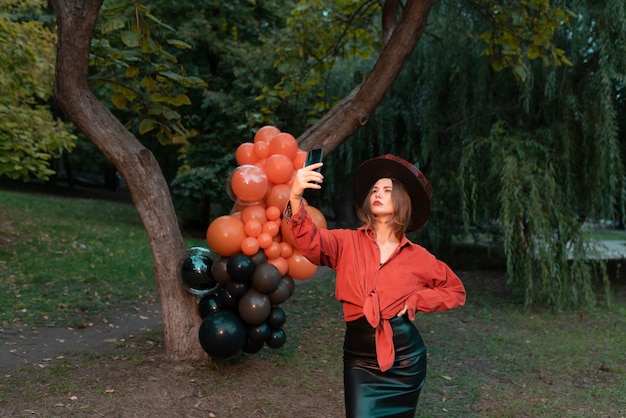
x,y
411,276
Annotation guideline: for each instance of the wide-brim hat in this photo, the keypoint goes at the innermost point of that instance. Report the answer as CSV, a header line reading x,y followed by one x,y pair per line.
x,y
390,166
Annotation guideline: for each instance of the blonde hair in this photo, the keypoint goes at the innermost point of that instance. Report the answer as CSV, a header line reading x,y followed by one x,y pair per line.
x,y
402,209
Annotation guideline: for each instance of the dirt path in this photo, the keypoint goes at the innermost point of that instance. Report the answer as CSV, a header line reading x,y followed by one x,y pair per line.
x,y
37,346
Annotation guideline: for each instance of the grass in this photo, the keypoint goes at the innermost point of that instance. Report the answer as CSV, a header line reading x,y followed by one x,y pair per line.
x,y
65,260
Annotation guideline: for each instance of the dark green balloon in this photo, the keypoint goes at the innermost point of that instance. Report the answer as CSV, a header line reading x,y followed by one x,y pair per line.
x,y
252,347
222,334
277,317
277,339
195,271
240,268
259,332
225,299
237,290
208,304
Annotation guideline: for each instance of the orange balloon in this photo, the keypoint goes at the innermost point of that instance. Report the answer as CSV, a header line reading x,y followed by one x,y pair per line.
x,y
261,164
271,227
272,213
273,250
285,144
286,250
317,216
299,267
280,263
266,133
278,196
249,183
249,246
299,160
225,234
245,154
261,150
254,212
278,168
265,240
253,228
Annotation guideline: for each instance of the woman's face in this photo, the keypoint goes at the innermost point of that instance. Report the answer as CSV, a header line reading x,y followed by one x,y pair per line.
x,y
380,198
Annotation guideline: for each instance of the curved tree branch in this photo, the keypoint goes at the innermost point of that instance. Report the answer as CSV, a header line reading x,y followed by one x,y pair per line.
x,y
351,113
148,188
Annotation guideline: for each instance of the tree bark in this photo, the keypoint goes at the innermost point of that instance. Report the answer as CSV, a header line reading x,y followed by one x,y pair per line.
x,y
351,113
148,188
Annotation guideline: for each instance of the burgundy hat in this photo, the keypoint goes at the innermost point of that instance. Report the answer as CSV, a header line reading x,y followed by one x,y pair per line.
x,y
419,189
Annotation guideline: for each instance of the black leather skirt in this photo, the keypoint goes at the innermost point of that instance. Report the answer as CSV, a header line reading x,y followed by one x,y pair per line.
x,y
371,393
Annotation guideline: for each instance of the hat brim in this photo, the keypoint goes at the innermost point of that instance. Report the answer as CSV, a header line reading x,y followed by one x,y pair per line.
x,y
389,166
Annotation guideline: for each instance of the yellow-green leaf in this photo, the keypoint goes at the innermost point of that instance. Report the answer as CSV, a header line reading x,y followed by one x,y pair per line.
x,y
119,100
130,38
131,72
146,125
179,44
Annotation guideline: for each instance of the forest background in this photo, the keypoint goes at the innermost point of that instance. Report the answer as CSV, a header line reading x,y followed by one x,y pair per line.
x,y
512,109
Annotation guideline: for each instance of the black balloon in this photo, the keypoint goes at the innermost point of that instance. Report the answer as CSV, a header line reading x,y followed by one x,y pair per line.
x,y
277,339
222,334
225,299
277,317
240,268
237,290
195,271
218,269
208,304
252,347
259,332
254,307
266,278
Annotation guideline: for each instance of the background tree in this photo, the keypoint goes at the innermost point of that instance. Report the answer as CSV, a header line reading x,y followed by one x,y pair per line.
x,y
30,135
403,25
149,190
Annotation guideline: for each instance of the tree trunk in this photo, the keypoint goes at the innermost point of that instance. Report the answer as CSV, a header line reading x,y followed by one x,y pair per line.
x,y
351,113
148,188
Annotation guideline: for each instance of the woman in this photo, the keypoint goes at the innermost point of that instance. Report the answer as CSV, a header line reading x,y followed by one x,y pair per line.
x,y
382,279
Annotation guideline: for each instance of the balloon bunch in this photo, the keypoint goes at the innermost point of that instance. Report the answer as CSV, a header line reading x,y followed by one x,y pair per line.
x,y
256,263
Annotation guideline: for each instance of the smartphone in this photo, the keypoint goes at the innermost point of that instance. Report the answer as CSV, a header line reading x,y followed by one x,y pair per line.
x,y
315,156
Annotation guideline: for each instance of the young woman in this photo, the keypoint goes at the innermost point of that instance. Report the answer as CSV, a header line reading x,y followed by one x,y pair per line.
x,y
382,280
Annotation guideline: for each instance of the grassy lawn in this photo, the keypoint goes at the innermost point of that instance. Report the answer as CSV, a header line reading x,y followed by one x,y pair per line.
x,y
65,261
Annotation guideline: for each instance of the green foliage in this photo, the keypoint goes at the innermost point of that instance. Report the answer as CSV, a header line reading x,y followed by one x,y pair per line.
x,y
233,51
134,69
30,136
321,34
551,159
522,31
521,162
520,186
196,189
